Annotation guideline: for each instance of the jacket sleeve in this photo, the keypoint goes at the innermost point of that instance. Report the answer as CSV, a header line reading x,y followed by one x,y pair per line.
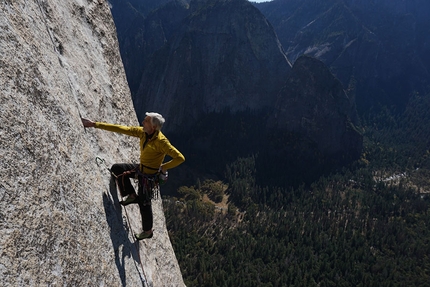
x,y
127,130
176,155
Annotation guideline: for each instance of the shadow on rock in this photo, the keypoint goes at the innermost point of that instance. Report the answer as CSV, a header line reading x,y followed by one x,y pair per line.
x,y
119,229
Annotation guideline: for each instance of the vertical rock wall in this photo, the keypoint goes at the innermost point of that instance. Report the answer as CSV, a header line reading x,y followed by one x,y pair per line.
x,y
60,221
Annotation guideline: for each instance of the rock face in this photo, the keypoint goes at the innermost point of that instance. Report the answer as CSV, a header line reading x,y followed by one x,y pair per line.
x,y
60,220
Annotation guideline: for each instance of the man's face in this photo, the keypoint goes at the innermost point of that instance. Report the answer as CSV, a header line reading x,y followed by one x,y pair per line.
x,y
147,125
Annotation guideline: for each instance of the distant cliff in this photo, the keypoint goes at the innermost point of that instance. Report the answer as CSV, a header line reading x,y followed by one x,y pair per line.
x,y
60,220
379,50
143,29
224,57
327,117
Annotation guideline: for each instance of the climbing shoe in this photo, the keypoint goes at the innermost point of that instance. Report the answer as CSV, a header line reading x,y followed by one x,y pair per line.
x,y
144,235
129,200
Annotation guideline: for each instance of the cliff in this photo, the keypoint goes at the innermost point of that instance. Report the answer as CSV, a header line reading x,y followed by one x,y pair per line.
x,y
314,105
225,56
379,50
60,220
141,33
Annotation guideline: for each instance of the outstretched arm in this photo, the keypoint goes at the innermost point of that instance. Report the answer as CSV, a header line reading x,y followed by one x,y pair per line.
x,y
128,130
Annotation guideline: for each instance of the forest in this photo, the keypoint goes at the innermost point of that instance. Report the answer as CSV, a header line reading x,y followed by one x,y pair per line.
x,y
366,224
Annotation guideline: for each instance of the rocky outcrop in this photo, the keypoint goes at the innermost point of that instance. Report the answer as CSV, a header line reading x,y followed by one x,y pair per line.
x,y
60,220
379,50
314,104
225,57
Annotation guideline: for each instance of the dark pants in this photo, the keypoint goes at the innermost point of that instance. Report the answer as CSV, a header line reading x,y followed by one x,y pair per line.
x,y
126,188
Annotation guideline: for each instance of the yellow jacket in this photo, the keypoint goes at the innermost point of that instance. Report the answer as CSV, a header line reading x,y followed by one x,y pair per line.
x,y
153,151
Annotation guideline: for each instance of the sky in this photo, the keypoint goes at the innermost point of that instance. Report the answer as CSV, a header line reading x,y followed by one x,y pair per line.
x,y
259,1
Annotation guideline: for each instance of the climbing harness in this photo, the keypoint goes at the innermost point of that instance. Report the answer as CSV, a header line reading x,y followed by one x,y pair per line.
x,y
99,162
149,183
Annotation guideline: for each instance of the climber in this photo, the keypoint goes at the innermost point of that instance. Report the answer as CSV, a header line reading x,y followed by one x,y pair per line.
x,y
154,146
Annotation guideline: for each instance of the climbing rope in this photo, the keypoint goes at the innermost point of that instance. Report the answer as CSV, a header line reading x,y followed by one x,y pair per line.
x,y
144,279
99,162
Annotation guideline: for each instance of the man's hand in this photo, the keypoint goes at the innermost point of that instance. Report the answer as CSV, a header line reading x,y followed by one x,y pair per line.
x,y
88,123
